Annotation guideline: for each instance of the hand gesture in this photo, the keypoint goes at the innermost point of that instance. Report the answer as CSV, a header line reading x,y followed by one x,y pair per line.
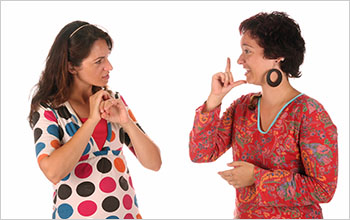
x,y
221,84
114,110
241,175
95,101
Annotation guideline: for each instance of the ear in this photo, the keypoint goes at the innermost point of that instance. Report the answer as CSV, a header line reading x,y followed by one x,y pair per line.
x,y
72,69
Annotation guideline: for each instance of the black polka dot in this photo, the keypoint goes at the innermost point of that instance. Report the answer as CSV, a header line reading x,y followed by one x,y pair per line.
x,y
123,183
64,191
44,105
60,132
63,112
37,134
35,118
104,165
124,137
110,204
55,198
85,189
116,95
140,128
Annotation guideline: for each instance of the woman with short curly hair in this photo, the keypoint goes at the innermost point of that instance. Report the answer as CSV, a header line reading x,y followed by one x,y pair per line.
x,y
284,143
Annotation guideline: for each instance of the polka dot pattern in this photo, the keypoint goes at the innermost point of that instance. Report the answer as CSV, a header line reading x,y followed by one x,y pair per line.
x,y
99,186
119,164
65,211
110,204
87,208
83,170
107,185
85,189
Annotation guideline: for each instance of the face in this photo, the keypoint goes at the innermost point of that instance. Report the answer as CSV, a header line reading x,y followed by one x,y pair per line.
x,y
94,70
252,59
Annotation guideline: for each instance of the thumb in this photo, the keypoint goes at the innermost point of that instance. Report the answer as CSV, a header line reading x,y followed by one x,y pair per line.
x,y
235,164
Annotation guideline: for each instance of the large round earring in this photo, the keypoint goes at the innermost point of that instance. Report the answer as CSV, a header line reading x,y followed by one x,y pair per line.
x,y
278,80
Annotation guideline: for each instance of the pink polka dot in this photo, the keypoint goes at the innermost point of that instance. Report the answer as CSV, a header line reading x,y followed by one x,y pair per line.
x,y
87,208
127,202
83,170
107,184
128,216
130,182
50,116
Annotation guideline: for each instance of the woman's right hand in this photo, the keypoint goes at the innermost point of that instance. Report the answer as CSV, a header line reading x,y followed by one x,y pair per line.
x,y
221,84
95,101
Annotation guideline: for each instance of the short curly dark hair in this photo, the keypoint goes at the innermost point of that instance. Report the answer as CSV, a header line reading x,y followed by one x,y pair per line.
x,y
279,36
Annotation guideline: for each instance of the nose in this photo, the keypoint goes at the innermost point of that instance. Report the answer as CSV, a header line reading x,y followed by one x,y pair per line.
x,y
240,59
108,66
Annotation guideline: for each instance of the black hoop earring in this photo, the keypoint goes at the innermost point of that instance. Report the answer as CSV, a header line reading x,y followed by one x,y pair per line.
x,y
278,80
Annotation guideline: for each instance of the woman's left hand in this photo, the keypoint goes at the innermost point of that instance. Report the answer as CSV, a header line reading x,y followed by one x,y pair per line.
x,y
114,110
241,175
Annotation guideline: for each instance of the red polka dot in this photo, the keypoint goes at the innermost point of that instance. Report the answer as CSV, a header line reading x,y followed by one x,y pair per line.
x,y
87,208
130,182
85,157
50,116
127,202
108,185
128,216
83,170
119,164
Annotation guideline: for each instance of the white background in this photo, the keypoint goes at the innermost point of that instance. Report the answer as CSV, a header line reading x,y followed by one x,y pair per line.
x,y
164,56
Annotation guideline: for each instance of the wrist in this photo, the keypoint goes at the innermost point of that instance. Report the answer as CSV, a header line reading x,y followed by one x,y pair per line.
x,y
127,125
212,102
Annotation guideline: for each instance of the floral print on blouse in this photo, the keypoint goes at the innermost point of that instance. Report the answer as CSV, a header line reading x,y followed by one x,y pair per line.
x,y
296,159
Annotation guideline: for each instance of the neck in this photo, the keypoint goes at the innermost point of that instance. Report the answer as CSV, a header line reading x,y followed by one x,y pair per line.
x,y
278,95
81,93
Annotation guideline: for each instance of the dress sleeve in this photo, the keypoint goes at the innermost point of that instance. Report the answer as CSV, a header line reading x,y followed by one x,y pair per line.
x,y
125,139
211,135
319,156
48,133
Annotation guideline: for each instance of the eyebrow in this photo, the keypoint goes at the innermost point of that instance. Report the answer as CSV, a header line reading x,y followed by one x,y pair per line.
x,y
99,58
247,45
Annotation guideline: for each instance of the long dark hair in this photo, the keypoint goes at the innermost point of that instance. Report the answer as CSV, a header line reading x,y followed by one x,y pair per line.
x,y
72,44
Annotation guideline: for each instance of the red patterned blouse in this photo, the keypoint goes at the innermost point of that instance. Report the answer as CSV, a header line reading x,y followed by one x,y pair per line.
x,y
296,159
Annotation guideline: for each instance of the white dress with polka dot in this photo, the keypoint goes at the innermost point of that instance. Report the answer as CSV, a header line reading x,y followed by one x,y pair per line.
x,y
100,185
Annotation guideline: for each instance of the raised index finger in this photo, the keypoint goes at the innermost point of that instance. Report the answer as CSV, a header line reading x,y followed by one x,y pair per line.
x,y
228,65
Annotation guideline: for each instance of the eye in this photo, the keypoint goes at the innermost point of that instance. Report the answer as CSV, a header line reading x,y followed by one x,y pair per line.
x,y
99,61
246,51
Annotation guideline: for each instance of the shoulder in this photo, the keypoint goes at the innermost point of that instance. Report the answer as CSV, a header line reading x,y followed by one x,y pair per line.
x,y
313,111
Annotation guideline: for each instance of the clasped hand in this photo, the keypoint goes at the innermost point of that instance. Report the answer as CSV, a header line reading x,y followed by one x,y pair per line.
x,y
241,175
114,110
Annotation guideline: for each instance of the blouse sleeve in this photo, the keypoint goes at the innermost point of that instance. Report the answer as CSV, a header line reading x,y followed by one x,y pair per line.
x,y
211,135
125,139
47,132
319,156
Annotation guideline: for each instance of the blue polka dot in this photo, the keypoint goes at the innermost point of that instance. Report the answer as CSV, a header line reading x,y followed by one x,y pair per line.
x,y
109,132
71,128
65,211
53,130
87,149
75,119
116,152
112,217
135,201
54,214
39,147
67,177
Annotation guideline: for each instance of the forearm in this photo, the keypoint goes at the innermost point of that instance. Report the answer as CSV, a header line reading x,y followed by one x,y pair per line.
x,y
146,150
286,188
62,161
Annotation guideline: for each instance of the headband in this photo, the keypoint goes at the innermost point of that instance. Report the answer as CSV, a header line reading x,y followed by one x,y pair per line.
x,y
76,30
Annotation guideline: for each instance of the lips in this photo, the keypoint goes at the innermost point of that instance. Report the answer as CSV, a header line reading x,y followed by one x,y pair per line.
x,y
106,77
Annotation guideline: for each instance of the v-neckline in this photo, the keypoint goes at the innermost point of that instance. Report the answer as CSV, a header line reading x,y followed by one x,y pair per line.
x,y
80,123
276,117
